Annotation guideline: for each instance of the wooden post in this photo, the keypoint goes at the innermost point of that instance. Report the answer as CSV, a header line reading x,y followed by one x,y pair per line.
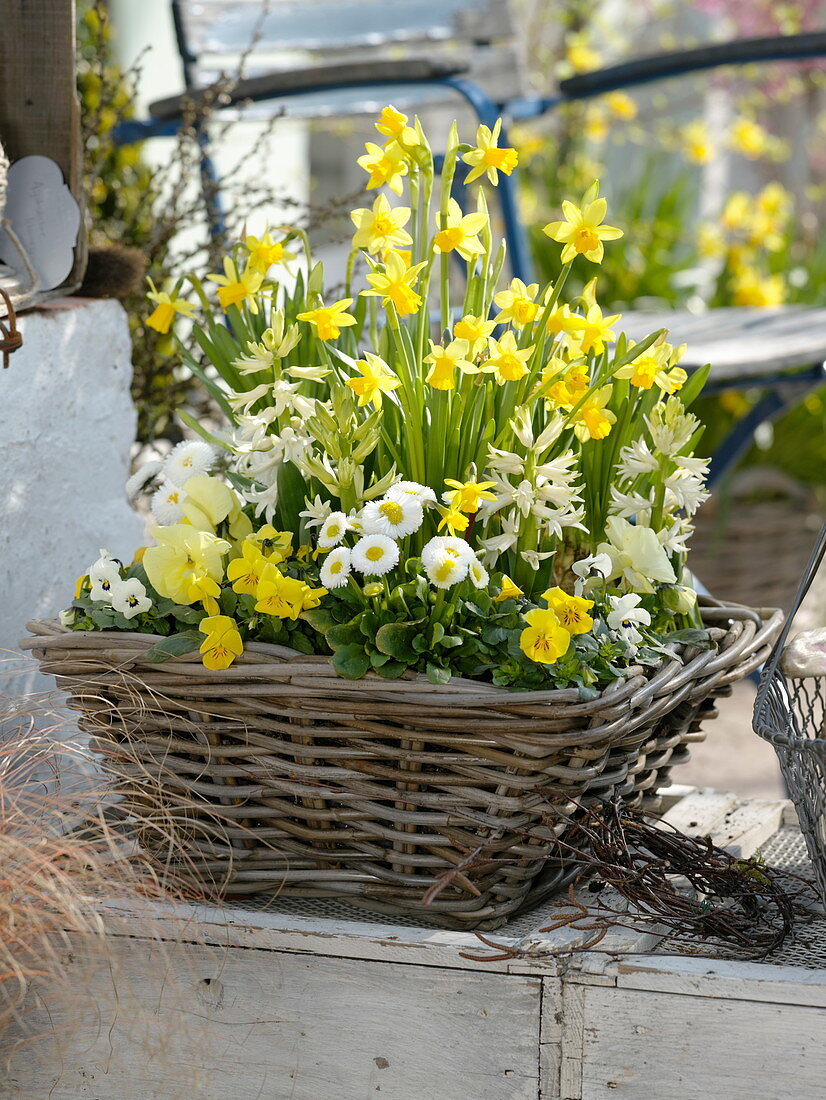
x,y
39,110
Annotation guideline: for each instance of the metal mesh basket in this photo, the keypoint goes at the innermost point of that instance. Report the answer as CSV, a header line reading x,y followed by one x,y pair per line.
x,y
790,712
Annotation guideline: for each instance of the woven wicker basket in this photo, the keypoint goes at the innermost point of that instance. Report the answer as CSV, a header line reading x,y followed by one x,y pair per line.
x,y
286,779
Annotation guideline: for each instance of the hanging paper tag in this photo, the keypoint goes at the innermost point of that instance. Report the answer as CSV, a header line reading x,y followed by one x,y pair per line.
x,y
46,219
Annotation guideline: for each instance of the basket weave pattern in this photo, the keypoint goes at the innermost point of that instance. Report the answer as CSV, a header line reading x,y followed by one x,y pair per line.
x,y
287,779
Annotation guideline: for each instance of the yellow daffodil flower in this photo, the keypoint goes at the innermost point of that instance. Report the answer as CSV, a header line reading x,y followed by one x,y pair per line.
x,y
749,138
621,106
516,304
582,232
459,232
384,166
445,361
592,420
657,365
395,284
392,124
454,520
245,572
166,306
475,330
382,227
580,55
376,379
593,331
264,253
182,554
508,591
751,289
559,320
235,288
571,611
571,388
697,145
222,643
468,495
543,639
487,157
328,321
506,361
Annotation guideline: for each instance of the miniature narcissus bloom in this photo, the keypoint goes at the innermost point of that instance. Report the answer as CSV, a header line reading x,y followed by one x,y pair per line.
x,y
384,166
395,285
459,232
487,158
445,361
167,304
328,321
506,361
375,379
264,253
382,227
582,232
392,124
516,304
237,288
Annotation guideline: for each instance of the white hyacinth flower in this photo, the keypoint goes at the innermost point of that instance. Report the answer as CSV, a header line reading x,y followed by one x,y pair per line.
x,y
333,530
374,555
637,458
104,575
626,615
670,426
188,459
315,511
595,565
130,598
407,489
335,571
396,517
168,504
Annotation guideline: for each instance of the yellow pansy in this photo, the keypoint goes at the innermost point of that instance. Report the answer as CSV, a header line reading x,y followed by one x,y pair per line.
x,y
382,227
516,303
445,361
235,288
264,253
376,379
207,591
459,232
395,284
487,157
166,306
222,643
507,361
593,331
392,124
468,495
284,597
508,591
384,166
182,554
592,420
274,546
245,572
582,232
328,321
475,330
571,611
543,639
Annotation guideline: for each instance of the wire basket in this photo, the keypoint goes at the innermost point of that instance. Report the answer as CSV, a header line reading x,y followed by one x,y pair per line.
x,y
790,712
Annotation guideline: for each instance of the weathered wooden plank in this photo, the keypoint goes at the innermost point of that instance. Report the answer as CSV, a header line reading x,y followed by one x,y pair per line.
x,y
158,1022
641,1044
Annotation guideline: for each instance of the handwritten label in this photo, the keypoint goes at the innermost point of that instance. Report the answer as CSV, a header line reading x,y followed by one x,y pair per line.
x,y
45,217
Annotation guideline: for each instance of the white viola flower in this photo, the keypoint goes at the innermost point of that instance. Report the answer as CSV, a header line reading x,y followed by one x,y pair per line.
x,y
141,478
335,571
637,458
396,517
637,557
333,529
167,504
479,576
595,565
453,547
130,598
104,575
315,511
374,555
187,459
445,569
403,489
626,615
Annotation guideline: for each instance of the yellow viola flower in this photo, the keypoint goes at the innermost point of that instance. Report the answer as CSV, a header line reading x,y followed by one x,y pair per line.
x,y
208,502
592,420
445,361
468,495
392,124
487,157
328,321
235,288
516,304
222,643
475,330
506,361
621,106
543,639
395,284
460,231
376,379
382,227
750,288
384,166
508,591
749,138
166,306
580,55
80,584
571,388
697,144
245,572
274,546
593,331
571,611
206,591
182,554
284,597
264,253
582,232
656,366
